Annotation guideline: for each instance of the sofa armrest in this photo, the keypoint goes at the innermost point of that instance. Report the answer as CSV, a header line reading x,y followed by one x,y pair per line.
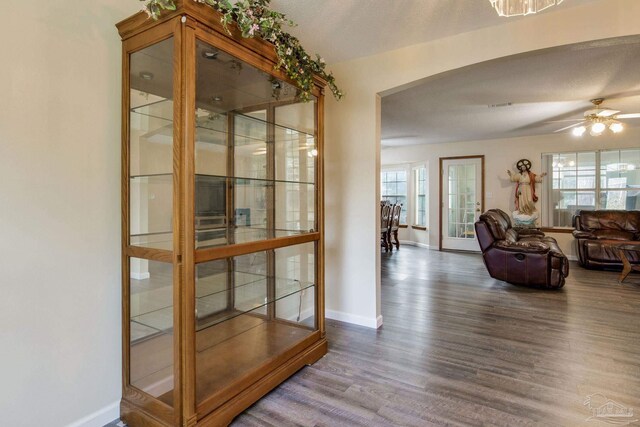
x,y
529,232
528,247
579,234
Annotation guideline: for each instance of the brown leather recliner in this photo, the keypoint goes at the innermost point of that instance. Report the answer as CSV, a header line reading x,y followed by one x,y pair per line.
x,y
520,256
597,233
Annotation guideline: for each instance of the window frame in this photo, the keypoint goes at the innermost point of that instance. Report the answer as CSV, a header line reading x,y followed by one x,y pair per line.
x,y
405,205
548,208
416,195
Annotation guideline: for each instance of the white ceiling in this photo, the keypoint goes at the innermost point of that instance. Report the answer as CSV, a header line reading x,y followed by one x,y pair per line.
x,y
554,84
341,30
543,86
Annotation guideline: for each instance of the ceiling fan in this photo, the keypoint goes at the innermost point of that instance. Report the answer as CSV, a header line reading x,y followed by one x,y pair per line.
x,y
598,119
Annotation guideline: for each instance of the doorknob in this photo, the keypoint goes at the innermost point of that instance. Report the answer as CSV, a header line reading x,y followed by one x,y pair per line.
x,y
478,210
477,203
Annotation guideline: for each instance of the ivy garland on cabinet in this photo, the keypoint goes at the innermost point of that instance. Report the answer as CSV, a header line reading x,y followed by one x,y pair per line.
x,y
255,19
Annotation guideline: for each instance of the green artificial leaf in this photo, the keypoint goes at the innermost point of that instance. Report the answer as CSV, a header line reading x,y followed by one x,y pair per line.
x,y
255,19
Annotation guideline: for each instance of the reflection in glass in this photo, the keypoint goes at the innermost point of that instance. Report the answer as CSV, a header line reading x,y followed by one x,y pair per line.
x,y
462,201
297,264
573,184
151,146
255,166
264,302
151,328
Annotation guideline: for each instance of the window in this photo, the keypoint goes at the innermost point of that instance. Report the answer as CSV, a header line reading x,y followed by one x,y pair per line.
x,y
589,180
394,190
421,196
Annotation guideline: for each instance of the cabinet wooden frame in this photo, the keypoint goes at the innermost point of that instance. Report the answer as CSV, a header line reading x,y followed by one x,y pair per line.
x,y
192,22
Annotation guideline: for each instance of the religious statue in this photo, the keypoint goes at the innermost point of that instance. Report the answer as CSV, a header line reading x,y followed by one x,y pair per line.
x,y
525,214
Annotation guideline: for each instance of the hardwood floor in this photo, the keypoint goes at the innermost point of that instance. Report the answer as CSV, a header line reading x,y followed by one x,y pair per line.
x,y
459,348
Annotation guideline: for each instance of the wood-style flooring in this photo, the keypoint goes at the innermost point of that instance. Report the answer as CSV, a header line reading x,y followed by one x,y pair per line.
x,y
460,348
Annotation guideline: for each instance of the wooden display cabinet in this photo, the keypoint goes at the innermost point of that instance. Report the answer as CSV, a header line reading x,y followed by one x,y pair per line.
x,y
222,221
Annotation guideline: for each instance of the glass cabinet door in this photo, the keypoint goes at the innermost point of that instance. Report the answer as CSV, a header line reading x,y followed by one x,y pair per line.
x,y
248,312
256,174
150,154
255,154
151,146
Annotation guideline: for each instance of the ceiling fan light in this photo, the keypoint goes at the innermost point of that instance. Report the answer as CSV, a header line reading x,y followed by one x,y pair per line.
x,y
579,131
521,7
598,128
616,127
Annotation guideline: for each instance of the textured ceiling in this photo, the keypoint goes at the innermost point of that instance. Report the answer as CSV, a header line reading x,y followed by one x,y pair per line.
x,y
542,86
554,84
341,30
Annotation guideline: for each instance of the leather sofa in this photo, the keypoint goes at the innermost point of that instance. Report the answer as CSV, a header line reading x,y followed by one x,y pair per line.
x,y
597,233
520,256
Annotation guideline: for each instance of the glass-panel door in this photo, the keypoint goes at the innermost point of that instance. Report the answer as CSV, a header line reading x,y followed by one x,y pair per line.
x,y
151,147
256,175
150,181
462,202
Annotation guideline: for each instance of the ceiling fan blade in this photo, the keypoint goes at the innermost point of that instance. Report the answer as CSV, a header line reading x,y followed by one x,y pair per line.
x,y
569,127
566,120
628,116
607,113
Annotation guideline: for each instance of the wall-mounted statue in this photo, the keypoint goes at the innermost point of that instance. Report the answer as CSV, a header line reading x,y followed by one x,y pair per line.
x,y
525,214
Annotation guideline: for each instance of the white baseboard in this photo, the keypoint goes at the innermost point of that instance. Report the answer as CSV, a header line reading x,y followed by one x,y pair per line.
x,y
572,258
412,243
304,314
140,276
369,322
378,321
99,418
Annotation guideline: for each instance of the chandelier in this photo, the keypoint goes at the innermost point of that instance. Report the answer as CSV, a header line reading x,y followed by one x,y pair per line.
x,y
522,7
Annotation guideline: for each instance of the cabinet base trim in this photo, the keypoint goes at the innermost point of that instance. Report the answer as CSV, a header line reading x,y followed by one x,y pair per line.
x,y
227,412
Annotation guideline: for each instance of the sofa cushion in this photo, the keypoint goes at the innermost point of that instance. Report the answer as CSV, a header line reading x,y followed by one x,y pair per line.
x,y
610,220
579,234
511,235
604,234
498,223
607,250
524,247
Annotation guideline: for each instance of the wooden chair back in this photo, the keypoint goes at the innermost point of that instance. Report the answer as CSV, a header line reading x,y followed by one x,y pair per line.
x,y
385,218
395,217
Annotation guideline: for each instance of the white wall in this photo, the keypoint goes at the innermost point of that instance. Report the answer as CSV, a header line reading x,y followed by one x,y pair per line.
x,y
500,155
353,129
60,191
60,211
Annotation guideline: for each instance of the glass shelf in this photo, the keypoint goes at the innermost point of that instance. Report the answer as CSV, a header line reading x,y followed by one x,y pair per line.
x,y
151,211
161,240
241,180
155,309
212,121
222,237
249,299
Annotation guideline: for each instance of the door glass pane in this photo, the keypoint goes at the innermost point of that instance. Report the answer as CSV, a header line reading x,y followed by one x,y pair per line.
x,y
151,146
462,200
151,328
